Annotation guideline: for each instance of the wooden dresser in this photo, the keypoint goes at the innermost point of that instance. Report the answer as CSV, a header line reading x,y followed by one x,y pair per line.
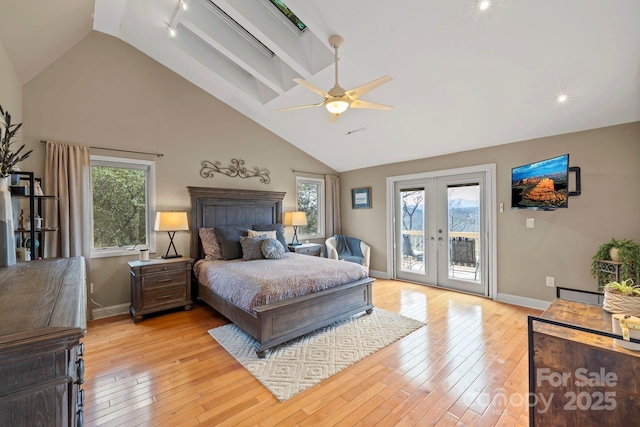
x,y
580,378
42,319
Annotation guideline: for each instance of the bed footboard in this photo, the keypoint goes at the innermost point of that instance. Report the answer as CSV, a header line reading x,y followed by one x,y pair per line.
x,y
286,320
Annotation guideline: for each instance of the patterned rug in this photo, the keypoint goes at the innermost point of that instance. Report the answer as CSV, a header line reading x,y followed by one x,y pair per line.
x,y
297,365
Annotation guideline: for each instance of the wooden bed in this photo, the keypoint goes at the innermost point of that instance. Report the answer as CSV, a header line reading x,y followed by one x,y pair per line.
x,y
275,323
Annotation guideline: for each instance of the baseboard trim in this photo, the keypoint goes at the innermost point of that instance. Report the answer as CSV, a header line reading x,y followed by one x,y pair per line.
x,y
114,310
379,274
523,301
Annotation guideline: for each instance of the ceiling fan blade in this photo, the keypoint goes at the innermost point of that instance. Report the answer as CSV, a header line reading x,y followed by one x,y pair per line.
x,y
359,103
333,117
311,87
361,90
300,107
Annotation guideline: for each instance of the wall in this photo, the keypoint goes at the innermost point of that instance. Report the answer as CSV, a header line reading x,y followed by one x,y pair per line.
x,y
563,241
10,89
104,93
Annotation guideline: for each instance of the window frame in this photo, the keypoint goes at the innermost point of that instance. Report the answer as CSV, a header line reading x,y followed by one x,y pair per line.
x,y
149,166
320,232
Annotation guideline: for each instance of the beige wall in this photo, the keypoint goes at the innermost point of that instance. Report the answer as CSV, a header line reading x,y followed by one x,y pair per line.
x,y
563,241
10,88
104,93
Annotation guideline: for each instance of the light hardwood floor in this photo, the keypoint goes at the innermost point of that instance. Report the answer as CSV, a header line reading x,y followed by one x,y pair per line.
x,y
467,367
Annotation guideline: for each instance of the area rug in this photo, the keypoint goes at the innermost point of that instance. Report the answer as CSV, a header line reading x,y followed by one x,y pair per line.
x,y
297,365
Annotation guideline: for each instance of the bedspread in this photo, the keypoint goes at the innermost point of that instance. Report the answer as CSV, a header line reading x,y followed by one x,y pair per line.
x,y
249,284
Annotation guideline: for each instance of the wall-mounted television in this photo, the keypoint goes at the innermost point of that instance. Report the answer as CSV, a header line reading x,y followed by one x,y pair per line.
x,y
542,185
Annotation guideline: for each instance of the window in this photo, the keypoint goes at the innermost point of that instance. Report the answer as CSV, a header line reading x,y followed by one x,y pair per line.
x,y
290,15
123,202
311,201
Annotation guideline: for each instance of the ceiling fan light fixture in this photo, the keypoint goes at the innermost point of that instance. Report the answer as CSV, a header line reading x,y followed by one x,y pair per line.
x,y
484,4
337,106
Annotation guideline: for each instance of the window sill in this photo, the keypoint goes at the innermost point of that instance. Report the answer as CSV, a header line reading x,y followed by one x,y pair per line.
x,y
108,253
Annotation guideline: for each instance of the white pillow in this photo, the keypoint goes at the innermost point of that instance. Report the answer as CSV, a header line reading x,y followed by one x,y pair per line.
x,y
269,234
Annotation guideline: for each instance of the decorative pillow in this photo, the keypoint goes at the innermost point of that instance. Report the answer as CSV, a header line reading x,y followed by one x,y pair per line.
x,y
252,247
272,249
210,244
268,234
279,228
229,238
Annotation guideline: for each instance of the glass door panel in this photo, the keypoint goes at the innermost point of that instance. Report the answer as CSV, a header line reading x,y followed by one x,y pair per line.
x,y
413,253
460,233
463,203
412,229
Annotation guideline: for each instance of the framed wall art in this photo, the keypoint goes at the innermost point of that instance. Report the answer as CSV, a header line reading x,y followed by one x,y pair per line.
x,y
361,198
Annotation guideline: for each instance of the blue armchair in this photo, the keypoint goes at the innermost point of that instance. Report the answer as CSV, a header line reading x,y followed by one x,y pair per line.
x,y
332,252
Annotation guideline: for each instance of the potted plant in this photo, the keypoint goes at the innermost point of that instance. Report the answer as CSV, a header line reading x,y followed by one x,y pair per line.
x,y
622,300
628,253
9,158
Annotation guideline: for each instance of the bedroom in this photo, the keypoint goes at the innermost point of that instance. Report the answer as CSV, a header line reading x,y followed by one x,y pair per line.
x,y
102,88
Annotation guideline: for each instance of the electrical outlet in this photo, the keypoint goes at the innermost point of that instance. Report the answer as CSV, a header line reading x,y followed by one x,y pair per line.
x,y
551,281
530,223
91,288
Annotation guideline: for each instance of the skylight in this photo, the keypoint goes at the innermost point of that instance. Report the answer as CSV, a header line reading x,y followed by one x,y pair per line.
x,y
234,24
289,14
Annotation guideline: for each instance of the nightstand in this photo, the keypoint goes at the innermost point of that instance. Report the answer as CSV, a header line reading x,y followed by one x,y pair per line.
x,y
159,284
313,249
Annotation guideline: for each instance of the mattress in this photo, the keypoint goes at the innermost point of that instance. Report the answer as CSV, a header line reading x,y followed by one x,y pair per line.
x,y
249,284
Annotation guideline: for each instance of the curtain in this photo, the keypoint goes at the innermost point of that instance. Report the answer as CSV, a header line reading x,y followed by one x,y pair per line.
x,y
332,210
67,175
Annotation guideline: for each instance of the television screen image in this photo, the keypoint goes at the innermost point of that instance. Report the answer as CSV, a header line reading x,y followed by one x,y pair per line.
x,y
541,185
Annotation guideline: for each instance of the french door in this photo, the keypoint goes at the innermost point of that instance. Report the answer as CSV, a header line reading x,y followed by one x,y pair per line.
x,y
440,229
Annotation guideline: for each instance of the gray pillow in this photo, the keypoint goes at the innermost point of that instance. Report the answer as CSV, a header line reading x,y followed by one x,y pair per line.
x,y
252,247
272,249
279,228
229,238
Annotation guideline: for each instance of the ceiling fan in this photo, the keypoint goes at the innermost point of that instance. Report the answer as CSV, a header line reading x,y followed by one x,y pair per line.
x,y
337,100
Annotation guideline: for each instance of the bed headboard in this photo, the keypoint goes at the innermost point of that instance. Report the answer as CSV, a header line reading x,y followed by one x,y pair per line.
x,y
214,207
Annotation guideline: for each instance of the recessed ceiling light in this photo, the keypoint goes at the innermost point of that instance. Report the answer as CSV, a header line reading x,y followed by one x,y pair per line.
x,y
562,98
484,4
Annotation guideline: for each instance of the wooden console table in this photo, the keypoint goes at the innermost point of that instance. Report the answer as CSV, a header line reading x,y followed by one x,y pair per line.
x,y
577,377
42,319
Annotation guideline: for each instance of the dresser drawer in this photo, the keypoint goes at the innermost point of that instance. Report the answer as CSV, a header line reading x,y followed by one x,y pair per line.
x,y
164,296
154,281
161,268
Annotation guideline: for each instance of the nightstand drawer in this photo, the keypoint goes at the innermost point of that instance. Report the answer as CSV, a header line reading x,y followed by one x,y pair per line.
x,y
309,251
161,268
313,249
152,281
163,296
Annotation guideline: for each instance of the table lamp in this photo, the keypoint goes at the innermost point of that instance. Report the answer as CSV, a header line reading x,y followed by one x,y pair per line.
x,y
295,219
171,222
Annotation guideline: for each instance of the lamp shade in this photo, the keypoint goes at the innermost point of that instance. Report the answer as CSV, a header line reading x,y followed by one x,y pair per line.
x,y
171,221
295,218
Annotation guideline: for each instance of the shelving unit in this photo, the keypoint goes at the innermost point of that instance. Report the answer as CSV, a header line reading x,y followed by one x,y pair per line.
x,y
608,271
35,208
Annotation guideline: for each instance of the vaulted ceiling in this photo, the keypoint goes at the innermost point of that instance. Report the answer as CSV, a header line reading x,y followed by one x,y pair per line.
x,y
462,78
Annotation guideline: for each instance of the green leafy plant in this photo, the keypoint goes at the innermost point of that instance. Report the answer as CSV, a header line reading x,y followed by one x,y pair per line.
x,y
629,260
626,287
9,158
